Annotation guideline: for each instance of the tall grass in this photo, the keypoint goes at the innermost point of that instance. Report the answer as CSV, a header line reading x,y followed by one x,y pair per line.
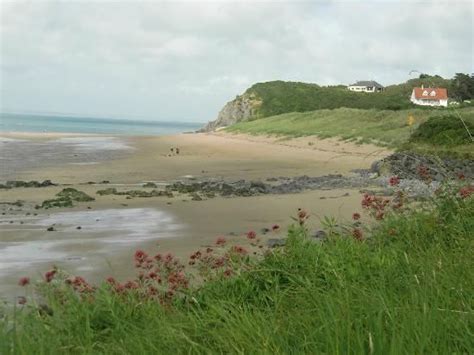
x,y
406,289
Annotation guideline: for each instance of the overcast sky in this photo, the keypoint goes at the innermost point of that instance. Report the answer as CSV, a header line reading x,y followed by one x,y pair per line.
x,y
184,60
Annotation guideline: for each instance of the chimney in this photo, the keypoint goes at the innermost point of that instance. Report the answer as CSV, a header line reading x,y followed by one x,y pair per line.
x,y
422,86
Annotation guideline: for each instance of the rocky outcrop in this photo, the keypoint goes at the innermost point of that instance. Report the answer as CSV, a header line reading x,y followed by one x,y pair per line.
x,y
407,165
242,108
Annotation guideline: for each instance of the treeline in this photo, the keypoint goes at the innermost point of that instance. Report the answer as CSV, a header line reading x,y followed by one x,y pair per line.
x,y
282,97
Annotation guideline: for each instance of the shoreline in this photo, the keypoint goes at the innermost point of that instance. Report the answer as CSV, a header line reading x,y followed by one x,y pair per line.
x,y
203,157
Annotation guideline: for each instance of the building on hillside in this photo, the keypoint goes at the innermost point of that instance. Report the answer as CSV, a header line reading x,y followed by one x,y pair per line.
x,y
366,86
429,96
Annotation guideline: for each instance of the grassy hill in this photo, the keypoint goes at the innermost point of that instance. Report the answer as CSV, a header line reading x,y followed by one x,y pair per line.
x,y
279,97
381,127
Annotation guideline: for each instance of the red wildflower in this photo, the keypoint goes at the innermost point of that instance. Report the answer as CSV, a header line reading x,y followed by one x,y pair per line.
x,y
228,272
48,276
221,241
424,172
219,262
394,181
461,176
158,257
356,216
131,285
251,235
379,215
110,280
357,234
239,250
466,191
275,227
168,258
140,256
24,281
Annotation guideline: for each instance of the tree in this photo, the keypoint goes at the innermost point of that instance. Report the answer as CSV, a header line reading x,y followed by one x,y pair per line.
x,y
462,87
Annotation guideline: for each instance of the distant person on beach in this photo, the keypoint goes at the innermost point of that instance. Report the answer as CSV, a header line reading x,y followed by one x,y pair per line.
x,y
177,151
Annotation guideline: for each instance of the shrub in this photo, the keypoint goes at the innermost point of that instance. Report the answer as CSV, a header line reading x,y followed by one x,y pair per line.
x,y
446,130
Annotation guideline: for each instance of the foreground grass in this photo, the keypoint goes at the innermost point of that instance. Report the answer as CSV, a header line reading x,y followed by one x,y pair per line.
x,y
381,127
405,290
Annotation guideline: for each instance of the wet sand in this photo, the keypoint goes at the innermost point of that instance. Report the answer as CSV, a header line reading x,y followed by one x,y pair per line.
x,y
115,226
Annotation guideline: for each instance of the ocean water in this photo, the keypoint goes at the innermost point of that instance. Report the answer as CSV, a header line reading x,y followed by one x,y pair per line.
x,y
72,124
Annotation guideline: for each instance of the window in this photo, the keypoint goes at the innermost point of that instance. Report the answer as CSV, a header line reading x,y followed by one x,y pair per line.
x,y
425,93
433,93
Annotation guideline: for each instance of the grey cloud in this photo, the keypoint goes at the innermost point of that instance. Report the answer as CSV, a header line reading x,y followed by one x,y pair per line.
x,y
184,60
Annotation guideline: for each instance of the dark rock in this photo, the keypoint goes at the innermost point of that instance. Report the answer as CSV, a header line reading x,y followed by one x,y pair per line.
x,y
50,229
78,227
274,243
195,197
319,234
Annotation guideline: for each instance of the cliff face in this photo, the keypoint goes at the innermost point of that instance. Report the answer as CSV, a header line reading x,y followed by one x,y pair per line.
x,y
242,108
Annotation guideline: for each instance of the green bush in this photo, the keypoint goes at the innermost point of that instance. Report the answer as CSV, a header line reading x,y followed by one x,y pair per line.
x,y
448,130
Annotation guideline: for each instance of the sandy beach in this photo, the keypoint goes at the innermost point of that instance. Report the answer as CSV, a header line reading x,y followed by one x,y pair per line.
x,y
113,226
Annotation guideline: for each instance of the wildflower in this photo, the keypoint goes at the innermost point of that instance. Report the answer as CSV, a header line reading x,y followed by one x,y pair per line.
x,y
356,216
251,235
302,216
140,256
394,181
228,272
21,300
357,234
209,250
158,257
239,250
168,258
24,281
152,291
461,176
466,191
221,241
131,285
423,172
110,280
275,227
219,262
48,276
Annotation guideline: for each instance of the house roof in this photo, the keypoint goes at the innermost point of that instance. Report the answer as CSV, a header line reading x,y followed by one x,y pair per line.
x,y
430,93
371,83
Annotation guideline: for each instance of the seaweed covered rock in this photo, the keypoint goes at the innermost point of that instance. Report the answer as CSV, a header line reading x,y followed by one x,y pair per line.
x,y
74,195
65,198
18,183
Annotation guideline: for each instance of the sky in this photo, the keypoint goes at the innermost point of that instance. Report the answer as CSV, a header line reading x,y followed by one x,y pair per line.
x,y
183,60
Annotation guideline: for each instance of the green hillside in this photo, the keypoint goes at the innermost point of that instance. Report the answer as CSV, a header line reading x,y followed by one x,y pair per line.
x,y
281,97
381,127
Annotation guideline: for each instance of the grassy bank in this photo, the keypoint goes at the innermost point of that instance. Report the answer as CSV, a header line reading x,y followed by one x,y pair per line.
x,y
406,288
381,127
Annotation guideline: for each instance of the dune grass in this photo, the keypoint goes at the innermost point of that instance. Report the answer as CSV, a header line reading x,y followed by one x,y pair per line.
x,y
406,289
381,127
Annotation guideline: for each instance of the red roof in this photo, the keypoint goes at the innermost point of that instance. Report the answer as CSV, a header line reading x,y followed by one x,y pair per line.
x,y
431,93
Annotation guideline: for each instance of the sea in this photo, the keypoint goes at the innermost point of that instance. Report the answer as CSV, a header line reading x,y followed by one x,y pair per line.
x,y
14,122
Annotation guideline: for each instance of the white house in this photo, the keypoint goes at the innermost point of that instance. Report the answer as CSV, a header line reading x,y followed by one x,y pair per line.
x,y
429,96
366,86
